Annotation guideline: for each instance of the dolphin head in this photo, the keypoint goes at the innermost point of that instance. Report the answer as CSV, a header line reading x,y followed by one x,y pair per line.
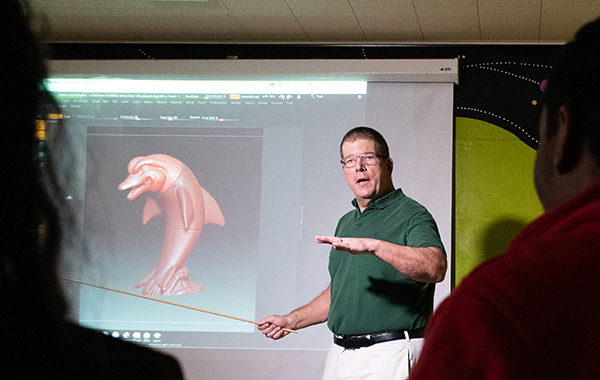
x,y
143,176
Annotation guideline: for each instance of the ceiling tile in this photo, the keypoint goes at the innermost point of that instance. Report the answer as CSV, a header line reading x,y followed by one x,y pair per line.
x,y
451,19
561,17
390,18
270,24
570,3
285,36
67,3
211,25
153,25
510,34
85,25
393,36
446,35
558,34
54,26
422,4
509,3
382,24
131,4
235,4
40,3
318,4
314,20
370,4
193,5
334,24
527,19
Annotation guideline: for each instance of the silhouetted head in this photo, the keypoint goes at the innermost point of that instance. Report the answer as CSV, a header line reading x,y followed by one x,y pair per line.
x,y
29,244
575,82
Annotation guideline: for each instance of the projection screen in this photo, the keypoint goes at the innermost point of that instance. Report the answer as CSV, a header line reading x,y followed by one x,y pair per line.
x,y
261,139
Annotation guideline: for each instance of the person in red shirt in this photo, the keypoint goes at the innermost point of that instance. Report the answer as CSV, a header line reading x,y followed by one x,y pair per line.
x,y
532,312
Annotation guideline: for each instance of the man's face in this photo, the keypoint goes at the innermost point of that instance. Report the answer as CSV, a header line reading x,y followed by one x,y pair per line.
x,y
544,166
367,182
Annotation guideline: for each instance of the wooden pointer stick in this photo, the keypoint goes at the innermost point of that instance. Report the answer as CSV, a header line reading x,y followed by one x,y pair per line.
x,y
168,302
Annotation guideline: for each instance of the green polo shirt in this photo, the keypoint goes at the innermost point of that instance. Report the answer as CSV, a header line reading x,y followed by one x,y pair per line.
x,y
367,294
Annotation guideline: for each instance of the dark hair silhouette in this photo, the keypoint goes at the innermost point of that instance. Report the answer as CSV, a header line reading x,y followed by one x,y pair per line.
x,y
574,83
38,342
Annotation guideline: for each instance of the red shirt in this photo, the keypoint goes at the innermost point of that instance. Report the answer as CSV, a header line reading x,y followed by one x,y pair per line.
x,y
530,313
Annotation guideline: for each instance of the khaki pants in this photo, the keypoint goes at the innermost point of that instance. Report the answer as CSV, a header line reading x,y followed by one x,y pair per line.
x,y
382,361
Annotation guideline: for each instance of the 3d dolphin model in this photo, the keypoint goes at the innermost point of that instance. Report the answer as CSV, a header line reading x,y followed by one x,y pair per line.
x,y
187,207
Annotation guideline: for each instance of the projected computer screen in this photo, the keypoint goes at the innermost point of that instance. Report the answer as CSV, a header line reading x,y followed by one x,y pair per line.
x,y
208,193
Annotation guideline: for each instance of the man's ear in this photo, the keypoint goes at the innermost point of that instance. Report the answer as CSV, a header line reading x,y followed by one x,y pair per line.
x,y
569,144
390,164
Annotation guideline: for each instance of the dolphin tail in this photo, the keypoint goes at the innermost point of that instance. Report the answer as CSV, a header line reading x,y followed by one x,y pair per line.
x,y
146,279
165,280
212,211
179,283
173,282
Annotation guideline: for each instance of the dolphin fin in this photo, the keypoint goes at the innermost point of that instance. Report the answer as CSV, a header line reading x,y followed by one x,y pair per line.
x,y
151,209
212,211
186,203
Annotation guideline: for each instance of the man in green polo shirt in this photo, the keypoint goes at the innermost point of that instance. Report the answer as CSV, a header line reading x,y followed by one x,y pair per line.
x,y
385,259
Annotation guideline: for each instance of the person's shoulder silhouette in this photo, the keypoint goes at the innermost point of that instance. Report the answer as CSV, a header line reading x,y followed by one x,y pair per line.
x,y
38,342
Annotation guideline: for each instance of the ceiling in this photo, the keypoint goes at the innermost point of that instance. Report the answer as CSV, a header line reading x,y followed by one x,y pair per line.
x,y
313,21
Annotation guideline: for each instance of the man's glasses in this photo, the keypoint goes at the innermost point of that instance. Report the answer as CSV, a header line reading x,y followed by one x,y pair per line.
x,y
369,159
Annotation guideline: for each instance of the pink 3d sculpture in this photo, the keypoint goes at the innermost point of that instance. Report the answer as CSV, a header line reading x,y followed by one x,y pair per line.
x,y
174,191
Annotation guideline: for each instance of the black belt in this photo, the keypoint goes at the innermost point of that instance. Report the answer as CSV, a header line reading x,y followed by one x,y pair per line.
x,y
358,341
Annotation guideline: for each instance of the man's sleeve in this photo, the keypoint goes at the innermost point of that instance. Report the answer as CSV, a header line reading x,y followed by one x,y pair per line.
x,y
423,231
